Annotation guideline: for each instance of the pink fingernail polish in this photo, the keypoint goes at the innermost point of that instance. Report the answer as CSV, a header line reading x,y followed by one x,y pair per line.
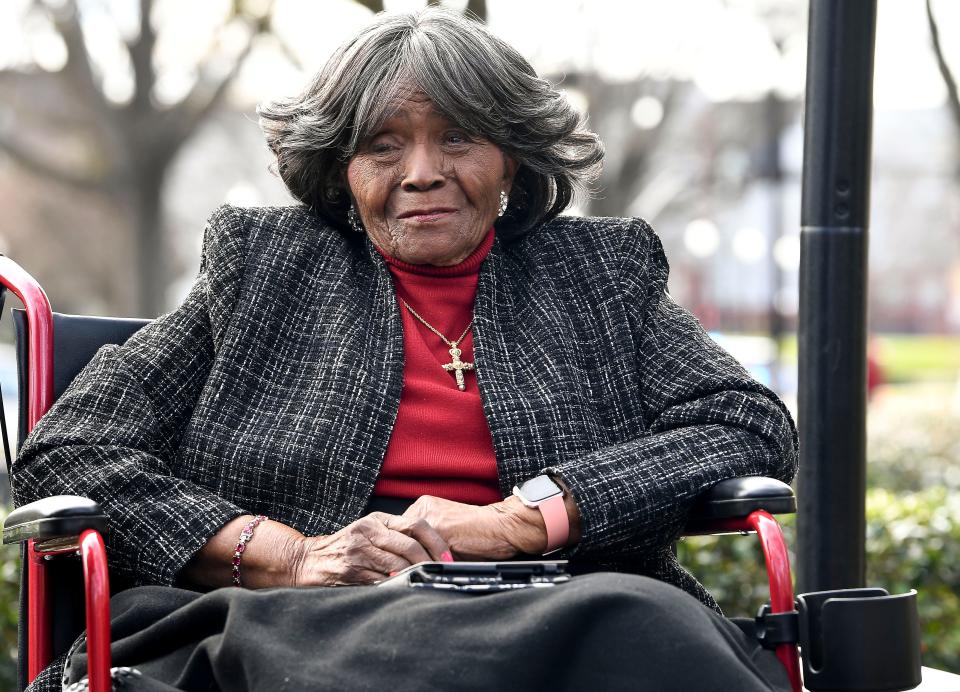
x,y
446,556
394,573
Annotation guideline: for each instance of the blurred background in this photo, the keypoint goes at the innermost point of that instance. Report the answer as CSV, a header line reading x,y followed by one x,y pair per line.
x,y
124,123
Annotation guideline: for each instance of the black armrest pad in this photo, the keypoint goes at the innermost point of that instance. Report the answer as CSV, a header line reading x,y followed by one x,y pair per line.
x,y
738,497
59,515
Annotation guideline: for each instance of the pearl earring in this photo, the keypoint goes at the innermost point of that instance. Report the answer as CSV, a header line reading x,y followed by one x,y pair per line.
x,y
504,202
353,218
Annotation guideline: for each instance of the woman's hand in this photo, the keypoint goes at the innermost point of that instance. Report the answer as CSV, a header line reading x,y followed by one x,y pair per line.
x,y
493,532
366,551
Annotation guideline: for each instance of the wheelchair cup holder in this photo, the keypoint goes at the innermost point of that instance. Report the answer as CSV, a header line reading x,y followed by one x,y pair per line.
x,y
851,639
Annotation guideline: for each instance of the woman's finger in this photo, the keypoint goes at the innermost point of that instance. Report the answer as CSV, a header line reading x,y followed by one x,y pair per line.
x,y
399,543
379,560
386,532
421,531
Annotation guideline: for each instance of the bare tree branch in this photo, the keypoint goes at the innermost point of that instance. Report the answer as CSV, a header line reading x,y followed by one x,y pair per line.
x,y
478,8
202,99
78,71
43,169
141,56
197,106
372,5
953,95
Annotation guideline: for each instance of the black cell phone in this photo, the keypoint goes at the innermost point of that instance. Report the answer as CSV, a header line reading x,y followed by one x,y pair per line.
x,y
482,577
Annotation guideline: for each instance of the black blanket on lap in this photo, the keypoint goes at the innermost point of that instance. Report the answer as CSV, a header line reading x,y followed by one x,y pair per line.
x,y
599,632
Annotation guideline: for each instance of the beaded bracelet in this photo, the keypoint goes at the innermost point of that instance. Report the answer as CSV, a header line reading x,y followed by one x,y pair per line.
x,y
245,537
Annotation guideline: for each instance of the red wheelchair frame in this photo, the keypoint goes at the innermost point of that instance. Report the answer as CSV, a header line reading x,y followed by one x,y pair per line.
x,y
92,551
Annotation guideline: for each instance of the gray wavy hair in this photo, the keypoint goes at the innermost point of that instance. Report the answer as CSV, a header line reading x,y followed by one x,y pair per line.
x,y
472,77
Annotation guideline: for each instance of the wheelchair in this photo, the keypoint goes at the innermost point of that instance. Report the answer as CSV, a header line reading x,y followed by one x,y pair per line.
x,y
854,639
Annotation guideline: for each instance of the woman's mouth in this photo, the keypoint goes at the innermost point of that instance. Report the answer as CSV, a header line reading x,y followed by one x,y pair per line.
x,y
427,215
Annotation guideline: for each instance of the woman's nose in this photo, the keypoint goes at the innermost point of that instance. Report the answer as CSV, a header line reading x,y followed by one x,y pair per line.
x,y
422,171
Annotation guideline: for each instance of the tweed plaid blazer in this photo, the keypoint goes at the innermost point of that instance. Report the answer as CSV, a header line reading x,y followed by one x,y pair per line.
x,y
273,390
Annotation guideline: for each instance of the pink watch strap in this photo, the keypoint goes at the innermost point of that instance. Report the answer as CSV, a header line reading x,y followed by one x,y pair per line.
x,y
558,523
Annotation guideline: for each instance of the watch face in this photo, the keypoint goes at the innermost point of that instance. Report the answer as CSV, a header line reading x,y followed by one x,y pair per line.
x,y
539,489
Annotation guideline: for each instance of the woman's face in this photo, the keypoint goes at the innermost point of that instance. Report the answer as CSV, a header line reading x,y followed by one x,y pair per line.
x,y
427,193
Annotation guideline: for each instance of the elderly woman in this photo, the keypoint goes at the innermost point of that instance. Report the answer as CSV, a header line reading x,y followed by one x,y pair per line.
x,y
421,334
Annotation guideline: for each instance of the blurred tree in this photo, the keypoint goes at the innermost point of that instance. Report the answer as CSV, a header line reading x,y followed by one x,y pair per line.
x,y
122,150
630,118
949,80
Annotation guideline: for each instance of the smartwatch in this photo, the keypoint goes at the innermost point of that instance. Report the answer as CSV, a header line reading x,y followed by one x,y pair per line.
x,y
544,494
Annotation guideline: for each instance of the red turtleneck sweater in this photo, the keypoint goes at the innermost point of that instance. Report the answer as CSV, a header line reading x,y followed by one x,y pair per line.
x,y
440,444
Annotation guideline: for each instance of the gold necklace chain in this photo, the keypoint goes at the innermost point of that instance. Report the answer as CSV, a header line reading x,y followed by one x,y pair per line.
x,y
456,367
451,344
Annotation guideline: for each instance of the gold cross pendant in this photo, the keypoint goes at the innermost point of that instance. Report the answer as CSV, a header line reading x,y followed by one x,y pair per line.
x,y
457,367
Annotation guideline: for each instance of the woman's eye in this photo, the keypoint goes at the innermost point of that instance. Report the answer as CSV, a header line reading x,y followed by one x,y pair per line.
x,y
381,147
457,138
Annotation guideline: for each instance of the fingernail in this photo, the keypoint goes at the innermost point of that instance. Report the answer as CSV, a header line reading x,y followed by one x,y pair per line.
x,y
446,556
393,573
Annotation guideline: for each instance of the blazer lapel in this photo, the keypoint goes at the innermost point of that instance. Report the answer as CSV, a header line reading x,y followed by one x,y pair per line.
x,y
530,395
373,340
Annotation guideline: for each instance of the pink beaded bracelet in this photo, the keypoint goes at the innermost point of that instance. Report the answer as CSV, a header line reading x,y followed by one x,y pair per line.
x,y
245,537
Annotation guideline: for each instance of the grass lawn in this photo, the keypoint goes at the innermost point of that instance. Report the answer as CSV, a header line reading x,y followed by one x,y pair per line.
x,y
907,357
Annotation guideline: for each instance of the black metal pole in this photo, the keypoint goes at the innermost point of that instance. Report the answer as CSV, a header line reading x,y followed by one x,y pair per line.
x,y
773,108
833,291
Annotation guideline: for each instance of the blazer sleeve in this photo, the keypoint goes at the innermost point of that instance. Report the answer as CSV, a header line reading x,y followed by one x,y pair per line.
x,y
113,434
706,420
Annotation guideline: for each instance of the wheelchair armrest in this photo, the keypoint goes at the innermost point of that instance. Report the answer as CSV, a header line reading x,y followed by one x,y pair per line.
x,y
738,497
53,517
